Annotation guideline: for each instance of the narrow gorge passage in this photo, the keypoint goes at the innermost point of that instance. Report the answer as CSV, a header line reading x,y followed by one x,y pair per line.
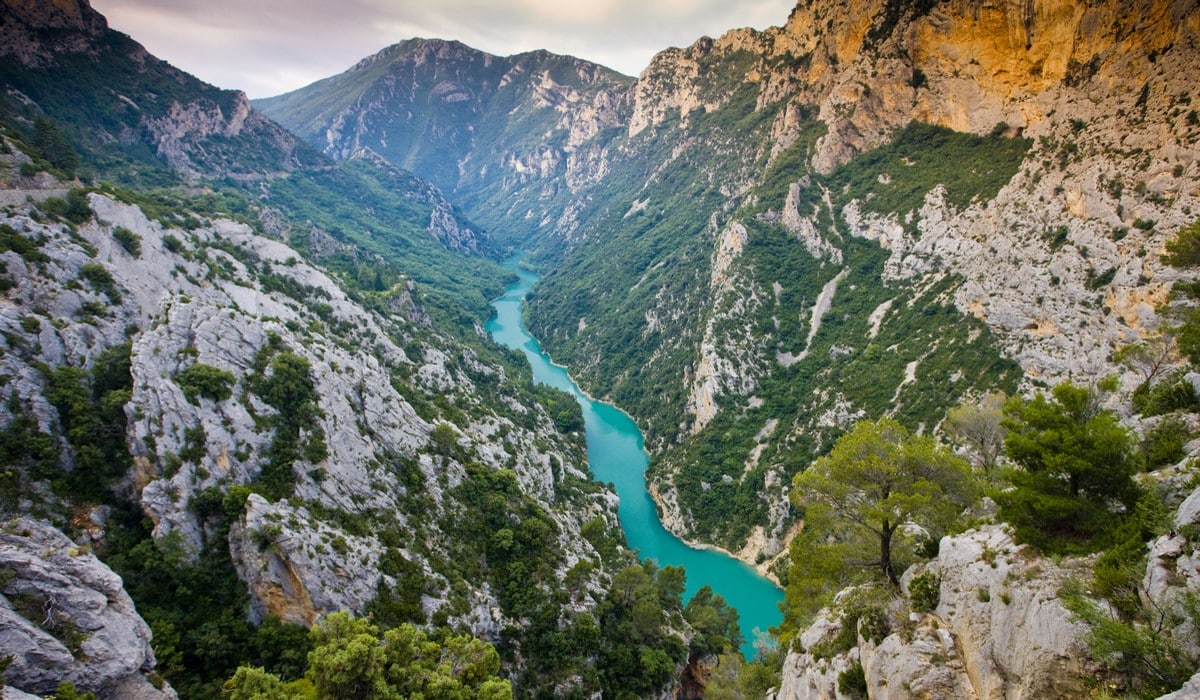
x,y
616,454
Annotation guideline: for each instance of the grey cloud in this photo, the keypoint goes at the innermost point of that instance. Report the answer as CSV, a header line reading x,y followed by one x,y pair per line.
x,y
269,46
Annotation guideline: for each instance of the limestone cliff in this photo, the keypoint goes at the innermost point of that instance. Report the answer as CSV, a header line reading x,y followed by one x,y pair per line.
x,y
65,617
369,475
515,140
804,127
993,624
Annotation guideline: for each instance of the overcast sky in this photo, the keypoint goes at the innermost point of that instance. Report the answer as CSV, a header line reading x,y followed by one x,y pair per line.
x,y
267,47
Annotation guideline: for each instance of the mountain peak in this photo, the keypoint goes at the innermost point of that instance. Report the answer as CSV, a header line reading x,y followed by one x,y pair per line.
x,y
33,31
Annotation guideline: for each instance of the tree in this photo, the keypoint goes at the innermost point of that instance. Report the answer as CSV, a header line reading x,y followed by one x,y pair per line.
x,y
1184,251
884,489
978,428
1076,463
48,138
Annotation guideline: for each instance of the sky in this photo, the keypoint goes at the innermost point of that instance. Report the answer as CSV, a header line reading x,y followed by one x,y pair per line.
x,y
267,47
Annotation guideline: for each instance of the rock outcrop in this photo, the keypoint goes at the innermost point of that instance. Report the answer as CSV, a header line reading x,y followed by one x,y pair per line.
x,y
998,631
368,472
65,618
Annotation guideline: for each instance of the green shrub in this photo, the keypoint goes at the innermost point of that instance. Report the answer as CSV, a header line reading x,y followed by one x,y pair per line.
x,y
853,682
1163,444
207,381
1173,393
101,280
925,591
130,241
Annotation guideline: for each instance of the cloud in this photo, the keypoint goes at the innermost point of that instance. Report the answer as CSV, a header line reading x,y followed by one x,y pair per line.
x,y
266,47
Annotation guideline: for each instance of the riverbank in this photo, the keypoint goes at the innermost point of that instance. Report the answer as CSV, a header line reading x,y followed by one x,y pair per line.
x,y
616,454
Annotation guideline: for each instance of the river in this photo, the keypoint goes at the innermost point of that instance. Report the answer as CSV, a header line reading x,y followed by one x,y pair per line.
x,y
616,454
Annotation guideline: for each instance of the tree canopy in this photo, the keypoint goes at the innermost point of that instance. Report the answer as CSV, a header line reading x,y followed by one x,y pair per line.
x,y
880,492
1076,464
351,661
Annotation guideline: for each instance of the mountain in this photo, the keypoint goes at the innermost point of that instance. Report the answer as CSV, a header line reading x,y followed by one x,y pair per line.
x,y
269,381
513,140
877,208
253,382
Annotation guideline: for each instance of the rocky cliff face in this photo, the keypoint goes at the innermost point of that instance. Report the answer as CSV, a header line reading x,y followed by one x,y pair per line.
x,y
368,474
998,631
515,140
804,128
66,618
1028,252
993,624
127,99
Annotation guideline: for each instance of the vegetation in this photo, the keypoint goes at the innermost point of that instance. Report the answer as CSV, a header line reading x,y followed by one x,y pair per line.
x,y
1075,462
283,381
877,480
351,659
201,380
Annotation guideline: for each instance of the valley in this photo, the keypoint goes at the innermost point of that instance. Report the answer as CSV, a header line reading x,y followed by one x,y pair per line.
x,y
879,344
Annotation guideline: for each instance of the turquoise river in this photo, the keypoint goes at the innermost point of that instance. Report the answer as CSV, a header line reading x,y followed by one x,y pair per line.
x,y
616,454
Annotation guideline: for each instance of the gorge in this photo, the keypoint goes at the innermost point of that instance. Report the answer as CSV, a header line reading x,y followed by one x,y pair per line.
x,y
258,363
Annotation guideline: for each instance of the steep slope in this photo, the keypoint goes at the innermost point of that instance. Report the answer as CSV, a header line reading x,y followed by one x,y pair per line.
x,y
130,107
879,207
74,85
267,423
515,140
794,255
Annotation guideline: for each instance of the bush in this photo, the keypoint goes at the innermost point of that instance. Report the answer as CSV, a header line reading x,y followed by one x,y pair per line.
x,y
130,241
853,682
207,381
101,280
925,591
1163,444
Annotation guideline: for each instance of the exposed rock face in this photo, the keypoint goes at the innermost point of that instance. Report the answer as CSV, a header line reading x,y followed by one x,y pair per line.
x,y
999,631
464,119
188,124
65,617
25,23
1061,264
367,465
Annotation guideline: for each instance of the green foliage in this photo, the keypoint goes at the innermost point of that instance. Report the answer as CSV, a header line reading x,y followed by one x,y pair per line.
x,y
1146,656
27,248
26,453
50,141
130,241
713,620
1183,249
921,157
636,655
454,289
101,280
201,380
287,387
1163,444
350,659
879,478
1075,460
74,209
1170,393
68,691
564,410
1120,568
197,608
853,682
91,410
925,591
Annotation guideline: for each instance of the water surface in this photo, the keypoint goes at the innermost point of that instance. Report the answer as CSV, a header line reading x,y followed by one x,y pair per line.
x,y
616,454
